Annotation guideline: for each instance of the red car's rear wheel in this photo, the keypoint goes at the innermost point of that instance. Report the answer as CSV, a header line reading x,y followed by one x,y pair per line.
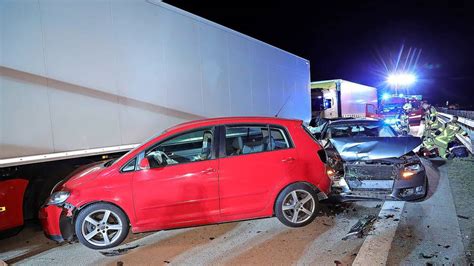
x,y
297,205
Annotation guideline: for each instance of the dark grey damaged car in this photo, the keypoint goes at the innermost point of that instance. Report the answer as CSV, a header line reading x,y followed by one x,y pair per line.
x,y
371,161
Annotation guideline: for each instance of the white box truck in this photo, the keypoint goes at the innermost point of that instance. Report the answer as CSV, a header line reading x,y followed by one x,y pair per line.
x,y
340,98
81,81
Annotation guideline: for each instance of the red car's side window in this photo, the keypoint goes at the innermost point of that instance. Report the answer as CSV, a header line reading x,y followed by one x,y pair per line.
x,y
240,140
192,146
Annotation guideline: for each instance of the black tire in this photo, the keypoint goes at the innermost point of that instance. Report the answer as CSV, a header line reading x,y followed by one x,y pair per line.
x,y
10,232
286,200
116,219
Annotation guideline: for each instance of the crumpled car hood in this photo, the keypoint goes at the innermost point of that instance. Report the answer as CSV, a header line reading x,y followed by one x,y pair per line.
x,y
374,148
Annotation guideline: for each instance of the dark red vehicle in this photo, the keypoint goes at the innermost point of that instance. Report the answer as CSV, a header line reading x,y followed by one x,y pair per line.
x,y
196,173
11,205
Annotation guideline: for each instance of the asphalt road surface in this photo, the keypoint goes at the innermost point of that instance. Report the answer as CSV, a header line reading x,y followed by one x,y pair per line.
x,y
247,242
427,232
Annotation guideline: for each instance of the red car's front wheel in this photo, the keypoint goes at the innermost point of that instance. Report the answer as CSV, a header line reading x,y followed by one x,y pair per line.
x,y
101,226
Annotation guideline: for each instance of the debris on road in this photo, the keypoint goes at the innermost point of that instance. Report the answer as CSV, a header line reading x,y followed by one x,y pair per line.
x,y
389,216
361,227
444,246
463,217
116,252
428,255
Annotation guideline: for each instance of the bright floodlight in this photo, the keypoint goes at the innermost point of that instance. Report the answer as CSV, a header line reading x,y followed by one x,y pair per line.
x,y
386,96
401,79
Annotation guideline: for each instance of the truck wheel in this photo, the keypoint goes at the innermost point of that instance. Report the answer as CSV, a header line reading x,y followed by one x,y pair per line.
x,y
101,226
297,205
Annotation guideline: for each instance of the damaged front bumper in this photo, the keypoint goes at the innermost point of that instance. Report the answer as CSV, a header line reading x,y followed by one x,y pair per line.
x,y
377,168
399,187
57,222
413,188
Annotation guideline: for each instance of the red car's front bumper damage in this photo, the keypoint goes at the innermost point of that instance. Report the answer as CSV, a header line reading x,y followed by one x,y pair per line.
x,y
57,222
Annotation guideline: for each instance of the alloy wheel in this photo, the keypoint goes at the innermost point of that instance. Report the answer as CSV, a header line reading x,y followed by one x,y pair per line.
x,y
298,206
101,227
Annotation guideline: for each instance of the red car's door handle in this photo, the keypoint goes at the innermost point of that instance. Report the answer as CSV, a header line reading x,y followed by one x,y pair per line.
x,y
288,160
208,171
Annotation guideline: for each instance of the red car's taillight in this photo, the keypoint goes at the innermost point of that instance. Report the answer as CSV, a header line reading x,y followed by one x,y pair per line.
x,y
322,155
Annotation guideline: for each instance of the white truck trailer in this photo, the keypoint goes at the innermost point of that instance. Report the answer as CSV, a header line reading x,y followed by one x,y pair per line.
x,y
340,98
83,80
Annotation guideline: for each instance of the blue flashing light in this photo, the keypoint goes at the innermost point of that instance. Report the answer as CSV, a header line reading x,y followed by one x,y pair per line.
x,y
390,121
386,96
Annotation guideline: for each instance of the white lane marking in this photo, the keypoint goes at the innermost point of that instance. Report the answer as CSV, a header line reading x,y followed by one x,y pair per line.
x,y
232,244
376,246
329,246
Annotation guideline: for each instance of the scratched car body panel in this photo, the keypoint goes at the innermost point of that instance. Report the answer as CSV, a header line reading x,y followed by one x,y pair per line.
x,y
372,161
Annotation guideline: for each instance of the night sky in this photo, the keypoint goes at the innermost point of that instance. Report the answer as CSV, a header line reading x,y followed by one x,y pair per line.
x,y
360,40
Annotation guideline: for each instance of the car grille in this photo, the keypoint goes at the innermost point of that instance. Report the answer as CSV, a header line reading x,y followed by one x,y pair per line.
x,y
370,172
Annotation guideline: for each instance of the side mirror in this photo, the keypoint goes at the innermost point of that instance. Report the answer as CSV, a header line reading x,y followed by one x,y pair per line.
x,y
144,164
317,135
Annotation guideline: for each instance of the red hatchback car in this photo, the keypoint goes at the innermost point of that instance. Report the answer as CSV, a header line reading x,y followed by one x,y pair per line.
x,y
201,172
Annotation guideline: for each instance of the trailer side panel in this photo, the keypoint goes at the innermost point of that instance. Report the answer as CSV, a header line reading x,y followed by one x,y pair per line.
x,y
90,74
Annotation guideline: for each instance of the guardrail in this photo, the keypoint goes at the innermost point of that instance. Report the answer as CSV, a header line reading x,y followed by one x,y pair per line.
x,y
465,120
461,113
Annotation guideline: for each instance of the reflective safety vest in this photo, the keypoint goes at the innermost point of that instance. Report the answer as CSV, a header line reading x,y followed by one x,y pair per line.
x,y
432,114
455,128
450,130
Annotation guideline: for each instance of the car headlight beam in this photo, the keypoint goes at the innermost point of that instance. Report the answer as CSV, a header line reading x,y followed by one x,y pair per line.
x,y
411,170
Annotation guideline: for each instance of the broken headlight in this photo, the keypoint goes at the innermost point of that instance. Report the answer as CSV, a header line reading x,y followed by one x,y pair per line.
x,y
411,170
406,192
57,197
